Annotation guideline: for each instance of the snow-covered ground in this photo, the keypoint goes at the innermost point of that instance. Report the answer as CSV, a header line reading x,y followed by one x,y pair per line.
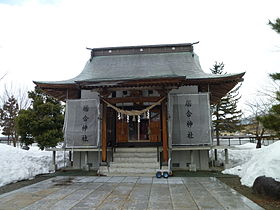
x,y
250,163
247,161
239,155
17,164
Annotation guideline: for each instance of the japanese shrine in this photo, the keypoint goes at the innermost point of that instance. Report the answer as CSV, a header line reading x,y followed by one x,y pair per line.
x,y
135,109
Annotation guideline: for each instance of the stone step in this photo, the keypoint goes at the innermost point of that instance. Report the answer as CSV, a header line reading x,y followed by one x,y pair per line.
x,y
144,165
132,170
136,149
133,154
134,160
132,174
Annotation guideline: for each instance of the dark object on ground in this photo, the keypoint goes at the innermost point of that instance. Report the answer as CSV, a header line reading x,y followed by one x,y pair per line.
x,y
25,147
267,186
259,144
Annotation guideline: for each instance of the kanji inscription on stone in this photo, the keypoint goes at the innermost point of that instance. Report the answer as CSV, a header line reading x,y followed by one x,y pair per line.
x,y
188,103
189,123
85,108
190,135
85,118
84,128
84,138
189,113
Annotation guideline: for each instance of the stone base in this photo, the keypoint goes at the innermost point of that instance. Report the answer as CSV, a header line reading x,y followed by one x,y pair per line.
x,y
53,168
165,168
86,167
192,167
228,165
217,163
103,170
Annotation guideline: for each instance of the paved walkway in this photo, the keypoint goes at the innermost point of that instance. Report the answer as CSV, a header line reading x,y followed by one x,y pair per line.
x,y
126,193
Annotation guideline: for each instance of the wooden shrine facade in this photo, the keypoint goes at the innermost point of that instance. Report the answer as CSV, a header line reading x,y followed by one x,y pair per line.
x,y
137,118
132,86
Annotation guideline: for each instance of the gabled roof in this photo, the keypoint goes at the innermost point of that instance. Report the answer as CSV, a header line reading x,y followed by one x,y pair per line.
x,y
121,65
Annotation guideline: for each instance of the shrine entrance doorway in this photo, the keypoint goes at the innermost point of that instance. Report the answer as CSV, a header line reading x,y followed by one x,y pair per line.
x,y
143,128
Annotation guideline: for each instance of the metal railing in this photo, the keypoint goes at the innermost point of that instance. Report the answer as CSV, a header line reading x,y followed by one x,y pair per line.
x,y
239,140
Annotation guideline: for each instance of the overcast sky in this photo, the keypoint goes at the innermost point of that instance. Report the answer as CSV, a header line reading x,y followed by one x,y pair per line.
x,y
47,39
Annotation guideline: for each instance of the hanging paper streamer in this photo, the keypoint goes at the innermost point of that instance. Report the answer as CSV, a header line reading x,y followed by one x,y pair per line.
x,y
127,118
119,116
139,118
148,114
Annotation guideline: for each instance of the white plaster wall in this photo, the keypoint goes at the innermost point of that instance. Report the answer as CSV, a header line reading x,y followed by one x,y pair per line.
x,y
185,89
88,94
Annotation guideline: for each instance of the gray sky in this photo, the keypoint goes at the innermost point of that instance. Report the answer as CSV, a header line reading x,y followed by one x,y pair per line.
x,y
47,40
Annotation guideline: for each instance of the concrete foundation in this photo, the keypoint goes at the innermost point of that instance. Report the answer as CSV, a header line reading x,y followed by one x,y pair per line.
x,y
85,160
188,159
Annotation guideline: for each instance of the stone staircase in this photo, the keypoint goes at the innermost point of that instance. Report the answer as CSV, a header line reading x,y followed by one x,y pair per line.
x,y
134,161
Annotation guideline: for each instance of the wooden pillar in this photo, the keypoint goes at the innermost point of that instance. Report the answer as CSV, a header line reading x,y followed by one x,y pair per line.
x,y
104,133
71,158
226,156
164,132
86,161
54,160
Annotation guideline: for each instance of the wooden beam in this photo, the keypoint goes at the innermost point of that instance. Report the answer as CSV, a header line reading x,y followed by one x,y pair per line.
x,y
122,88
133,99
136,82
104,133
164,132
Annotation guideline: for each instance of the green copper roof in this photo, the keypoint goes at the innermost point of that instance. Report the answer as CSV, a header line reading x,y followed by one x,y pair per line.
x,y
140,66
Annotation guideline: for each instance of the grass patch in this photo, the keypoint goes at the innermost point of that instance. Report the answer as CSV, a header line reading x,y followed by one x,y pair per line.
x,y
72,172
185,173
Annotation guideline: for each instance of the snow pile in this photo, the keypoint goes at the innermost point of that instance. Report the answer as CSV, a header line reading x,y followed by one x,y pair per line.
x,y
239,155
264,161
18,164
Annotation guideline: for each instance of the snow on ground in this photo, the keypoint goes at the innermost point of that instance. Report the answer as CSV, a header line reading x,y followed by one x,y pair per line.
x,y
239,155
255,162
247,161
17,164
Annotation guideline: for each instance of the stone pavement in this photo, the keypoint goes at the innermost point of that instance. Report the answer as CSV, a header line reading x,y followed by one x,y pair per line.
x,y
126,193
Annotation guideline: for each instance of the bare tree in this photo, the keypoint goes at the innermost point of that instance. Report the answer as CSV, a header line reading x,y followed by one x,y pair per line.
x,y
19,92
268,92
257,108
3,76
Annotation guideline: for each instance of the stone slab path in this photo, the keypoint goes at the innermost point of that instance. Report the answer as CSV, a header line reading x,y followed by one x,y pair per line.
x,y
119,192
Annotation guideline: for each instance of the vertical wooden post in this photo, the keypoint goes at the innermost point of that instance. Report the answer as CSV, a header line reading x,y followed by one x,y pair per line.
x,y
71,158
54,160
104,133
164,132
226,156
86,161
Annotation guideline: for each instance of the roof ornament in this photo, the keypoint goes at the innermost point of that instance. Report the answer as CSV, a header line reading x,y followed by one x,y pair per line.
x,y
91,53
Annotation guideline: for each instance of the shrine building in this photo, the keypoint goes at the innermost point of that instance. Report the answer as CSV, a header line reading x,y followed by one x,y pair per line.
x,y
139,108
